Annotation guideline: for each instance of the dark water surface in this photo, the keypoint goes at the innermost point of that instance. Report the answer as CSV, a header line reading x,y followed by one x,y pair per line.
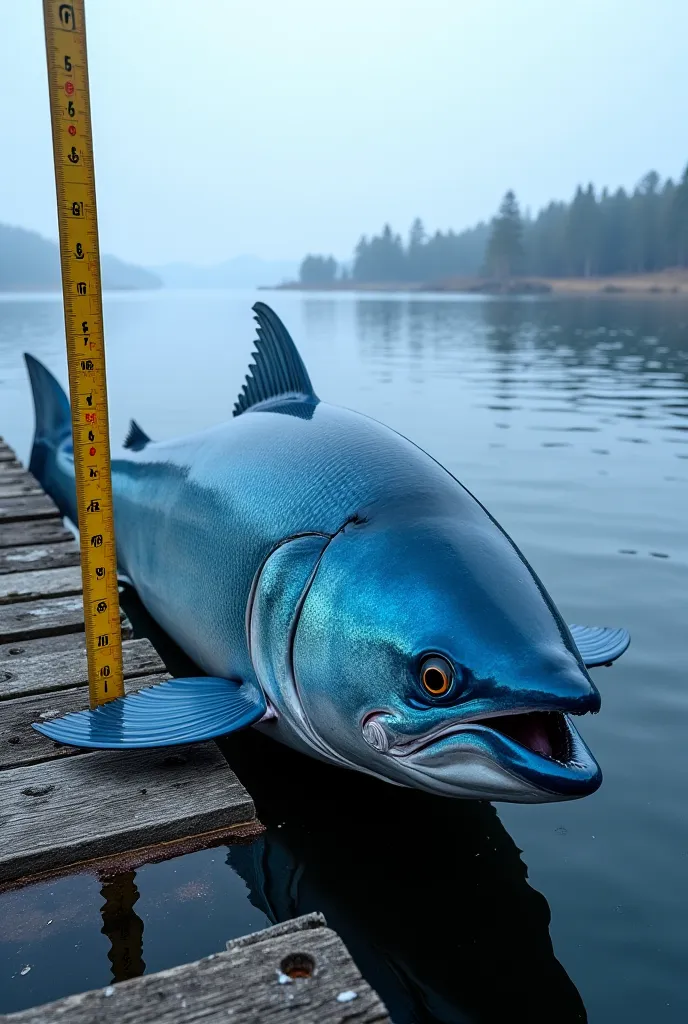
x,y
569,420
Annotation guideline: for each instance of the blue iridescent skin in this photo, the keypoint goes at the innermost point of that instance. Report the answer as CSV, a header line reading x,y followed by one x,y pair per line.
x,y
315,554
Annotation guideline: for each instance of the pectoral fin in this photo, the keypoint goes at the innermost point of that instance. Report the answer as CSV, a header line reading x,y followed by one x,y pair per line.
x,y
176,711
600,645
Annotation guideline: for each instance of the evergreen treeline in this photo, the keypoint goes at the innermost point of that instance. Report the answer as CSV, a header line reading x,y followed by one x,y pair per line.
x,y
597,233
318,269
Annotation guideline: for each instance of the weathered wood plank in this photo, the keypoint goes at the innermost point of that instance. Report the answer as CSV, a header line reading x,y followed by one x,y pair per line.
x,y
31,586
51,645
42,556
20,744
303,923
23,675
9,464
23,483
50,617
7,455
42,645
41,618
109,802
30,506
244,984
19,490
46,531
9,473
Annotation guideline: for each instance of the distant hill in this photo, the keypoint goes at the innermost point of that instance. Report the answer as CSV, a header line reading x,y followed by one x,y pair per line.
x,y
29,262
238,272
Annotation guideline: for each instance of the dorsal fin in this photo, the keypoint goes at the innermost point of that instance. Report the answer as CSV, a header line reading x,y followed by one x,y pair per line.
x,y
136,438
277,370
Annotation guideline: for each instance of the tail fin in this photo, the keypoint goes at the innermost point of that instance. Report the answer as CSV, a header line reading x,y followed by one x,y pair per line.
x,y
53,424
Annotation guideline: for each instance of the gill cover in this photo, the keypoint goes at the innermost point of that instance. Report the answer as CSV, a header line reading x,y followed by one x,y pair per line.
x,y
277,596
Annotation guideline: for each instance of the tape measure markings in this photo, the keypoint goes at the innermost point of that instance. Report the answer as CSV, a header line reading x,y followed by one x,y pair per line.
x,y
65,34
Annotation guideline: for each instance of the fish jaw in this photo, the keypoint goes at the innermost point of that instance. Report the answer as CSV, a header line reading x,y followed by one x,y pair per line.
x,y
521,756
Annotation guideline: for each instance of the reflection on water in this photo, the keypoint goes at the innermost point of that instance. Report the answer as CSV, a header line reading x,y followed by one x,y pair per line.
x,y
569,420
518,346
122,925
429,896
81,932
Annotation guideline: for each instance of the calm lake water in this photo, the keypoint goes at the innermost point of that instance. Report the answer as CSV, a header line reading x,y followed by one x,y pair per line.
x,y
569,420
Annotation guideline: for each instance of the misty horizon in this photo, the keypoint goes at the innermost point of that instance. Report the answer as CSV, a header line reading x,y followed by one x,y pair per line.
x,y
281,130
289,265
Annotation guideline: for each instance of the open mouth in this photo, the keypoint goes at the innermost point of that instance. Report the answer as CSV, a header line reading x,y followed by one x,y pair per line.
x,y
543,732
542,749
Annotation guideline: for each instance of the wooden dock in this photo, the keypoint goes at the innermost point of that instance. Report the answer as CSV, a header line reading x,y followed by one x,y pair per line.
x,y
107,812
299,972
60,811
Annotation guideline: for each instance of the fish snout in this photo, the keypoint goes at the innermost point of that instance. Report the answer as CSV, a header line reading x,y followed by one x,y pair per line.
x,y
559,684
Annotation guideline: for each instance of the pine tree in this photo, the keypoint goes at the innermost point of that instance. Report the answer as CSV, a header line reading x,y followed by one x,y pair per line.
x,y
645,232
609,233
583,232
505,247
545,242
380,259
318,270
359,271
614,232
415,251
666,254
679,221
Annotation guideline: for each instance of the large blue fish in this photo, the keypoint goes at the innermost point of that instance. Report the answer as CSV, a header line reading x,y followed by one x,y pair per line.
x,y
342,590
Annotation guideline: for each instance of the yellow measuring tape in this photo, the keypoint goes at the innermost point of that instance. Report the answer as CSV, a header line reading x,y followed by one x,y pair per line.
x,y
70,111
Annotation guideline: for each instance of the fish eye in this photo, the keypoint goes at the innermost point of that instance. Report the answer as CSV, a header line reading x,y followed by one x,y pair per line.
x,y
436,675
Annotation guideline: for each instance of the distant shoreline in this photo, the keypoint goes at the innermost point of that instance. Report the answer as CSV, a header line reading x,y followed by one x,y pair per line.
x,y
663,283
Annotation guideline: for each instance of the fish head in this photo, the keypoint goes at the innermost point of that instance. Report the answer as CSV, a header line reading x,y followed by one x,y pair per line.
x,y
430,654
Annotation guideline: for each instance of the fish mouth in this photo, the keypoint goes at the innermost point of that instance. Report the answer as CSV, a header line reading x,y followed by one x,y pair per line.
x,y
540,750
545,733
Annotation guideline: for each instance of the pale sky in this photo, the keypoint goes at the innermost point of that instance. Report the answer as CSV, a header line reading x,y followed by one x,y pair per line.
x,y
277,127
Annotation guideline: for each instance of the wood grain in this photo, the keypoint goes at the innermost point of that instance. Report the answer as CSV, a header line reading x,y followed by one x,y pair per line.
x,y
53,815
30,586
40,556
9,472
23,483
9,652
47,531
20,744
8,458
23,675
46,617
241,984
30,506
41,618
